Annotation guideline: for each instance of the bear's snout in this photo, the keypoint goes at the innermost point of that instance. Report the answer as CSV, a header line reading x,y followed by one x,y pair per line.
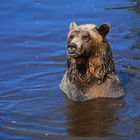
x,y
72,48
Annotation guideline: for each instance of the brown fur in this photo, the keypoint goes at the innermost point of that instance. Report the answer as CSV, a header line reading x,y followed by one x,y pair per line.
x,y
94,65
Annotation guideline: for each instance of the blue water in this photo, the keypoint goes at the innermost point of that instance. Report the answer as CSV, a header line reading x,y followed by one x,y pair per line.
x,y
33,60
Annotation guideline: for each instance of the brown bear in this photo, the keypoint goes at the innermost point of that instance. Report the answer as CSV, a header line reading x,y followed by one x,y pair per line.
x,y
91,68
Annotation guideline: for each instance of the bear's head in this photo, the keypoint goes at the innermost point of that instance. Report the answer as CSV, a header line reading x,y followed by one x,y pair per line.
x,y
89,53
85,40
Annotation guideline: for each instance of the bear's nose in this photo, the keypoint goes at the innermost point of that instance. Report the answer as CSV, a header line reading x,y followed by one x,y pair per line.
x,y
72,48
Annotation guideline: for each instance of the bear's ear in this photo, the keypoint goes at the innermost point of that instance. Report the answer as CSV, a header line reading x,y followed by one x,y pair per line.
x,y
72,26
104,29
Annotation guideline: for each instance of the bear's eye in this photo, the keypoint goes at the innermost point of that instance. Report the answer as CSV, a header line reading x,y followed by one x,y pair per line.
x,y
85,37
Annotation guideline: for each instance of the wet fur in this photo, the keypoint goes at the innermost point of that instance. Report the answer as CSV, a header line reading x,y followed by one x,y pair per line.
x,y
92,74
86,69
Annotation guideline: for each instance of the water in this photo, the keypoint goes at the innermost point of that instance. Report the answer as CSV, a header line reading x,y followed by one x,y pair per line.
x,y
32,63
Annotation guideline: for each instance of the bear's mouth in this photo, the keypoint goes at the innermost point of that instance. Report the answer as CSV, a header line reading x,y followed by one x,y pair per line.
x,y
72,54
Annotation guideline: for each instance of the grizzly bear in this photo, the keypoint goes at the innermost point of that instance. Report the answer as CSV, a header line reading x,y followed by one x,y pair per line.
x,y
91,68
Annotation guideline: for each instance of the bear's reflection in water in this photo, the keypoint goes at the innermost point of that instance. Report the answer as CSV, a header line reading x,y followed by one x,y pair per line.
x,y
92,118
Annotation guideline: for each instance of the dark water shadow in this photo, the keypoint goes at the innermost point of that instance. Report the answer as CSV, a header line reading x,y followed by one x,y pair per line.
x,y
137,5
93,118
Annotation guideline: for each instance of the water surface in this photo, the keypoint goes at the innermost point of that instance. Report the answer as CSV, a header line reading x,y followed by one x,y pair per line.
x,y
33,60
